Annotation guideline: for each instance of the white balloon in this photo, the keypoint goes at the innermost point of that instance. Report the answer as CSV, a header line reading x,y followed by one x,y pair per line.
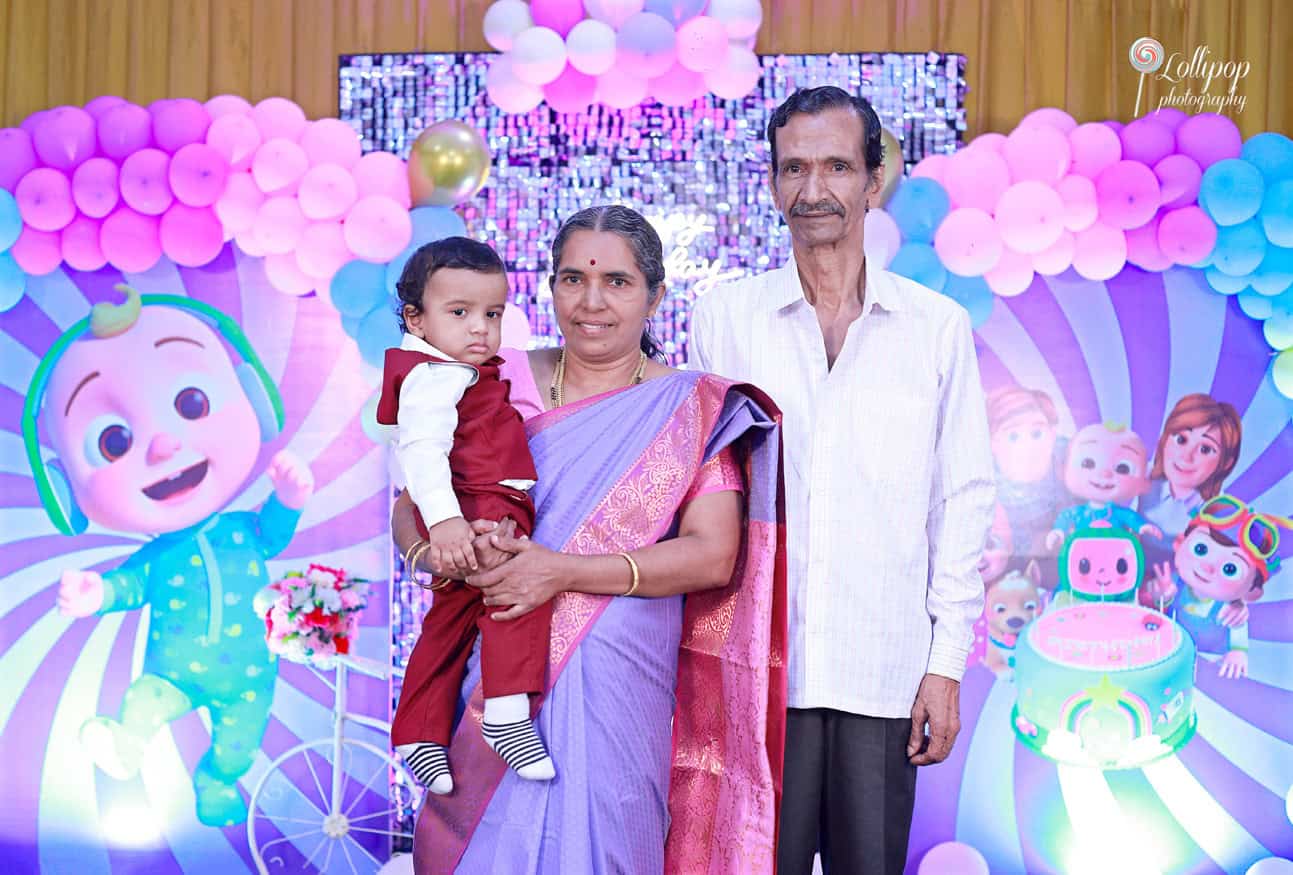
x,y
509,93
591,47
737,77
613,12
504,20
538,55
741,17
620,90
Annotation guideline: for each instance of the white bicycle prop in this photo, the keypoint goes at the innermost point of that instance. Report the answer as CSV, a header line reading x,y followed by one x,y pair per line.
x,y
333,804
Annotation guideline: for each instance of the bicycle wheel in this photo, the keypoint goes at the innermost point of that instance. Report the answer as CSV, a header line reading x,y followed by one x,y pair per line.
x,y
294,825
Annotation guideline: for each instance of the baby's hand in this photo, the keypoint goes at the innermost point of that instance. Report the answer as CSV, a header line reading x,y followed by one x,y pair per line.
x,y
451,544
1149,530
80,593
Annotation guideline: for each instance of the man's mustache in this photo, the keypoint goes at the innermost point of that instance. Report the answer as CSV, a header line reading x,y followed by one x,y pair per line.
x,y
801,209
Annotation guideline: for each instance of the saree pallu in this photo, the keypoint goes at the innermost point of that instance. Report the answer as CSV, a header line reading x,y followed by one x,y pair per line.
x,y
665,717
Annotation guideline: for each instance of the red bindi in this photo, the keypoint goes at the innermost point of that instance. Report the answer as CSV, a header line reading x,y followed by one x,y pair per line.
x,y
592,261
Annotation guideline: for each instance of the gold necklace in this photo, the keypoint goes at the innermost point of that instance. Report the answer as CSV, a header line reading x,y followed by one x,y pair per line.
x,y
556,390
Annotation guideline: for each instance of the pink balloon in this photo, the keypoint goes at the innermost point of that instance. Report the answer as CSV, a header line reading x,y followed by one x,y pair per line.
x,y
1169,117
278,118
678,86
124,130
931,167
279,225
976,178
1057,257
236,137
80,244
1209,138
31,122
1080,205
1143,249
227,104
283,274
509,93
620,89
94,187
144,181
65,137
1037,152
1146,141
1114,125
1030,216
952,858
238,206
1050,117
246,241
1178,178
1128,194
191,236
993,142
17,156
1100,251
1187,235
702,44
1095,146
322,250
100,105
45,199
130,240
198,175
1012,274
572,91
384,174
331,141
278,165
882,238
37,252
178,123
613,12
377,229
968,242
327,192
737,77
560,15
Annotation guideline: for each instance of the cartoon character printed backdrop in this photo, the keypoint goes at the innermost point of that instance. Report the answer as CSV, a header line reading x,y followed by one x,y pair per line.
x,y
198,458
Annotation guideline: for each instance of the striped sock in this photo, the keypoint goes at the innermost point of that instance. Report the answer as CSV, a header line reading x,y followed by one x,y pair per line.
x,y
521,748
429,763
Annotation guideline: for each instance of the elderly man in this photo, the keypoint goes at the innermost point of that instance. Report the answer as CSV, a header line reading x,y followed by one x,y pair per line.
x,y
888,491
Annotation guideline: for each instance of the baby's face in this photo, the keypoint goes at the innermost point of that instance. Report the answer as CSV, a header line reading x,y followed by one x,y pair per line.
x,y
462,313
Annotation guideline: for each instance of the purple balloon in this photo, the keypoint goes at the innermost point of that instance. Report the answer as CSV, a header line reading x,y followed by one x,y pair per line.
x,y
102,104
646,44
676,11
178,123
31,122
1146,141
65,137
1116,125
560,15
1209,138
124,130
1179,177
16,156
1169,117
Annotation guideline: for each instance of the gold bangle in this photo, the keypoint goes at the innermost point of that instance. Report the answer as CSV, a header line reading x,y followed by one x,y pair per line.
x,y
408,566
415,557
637,578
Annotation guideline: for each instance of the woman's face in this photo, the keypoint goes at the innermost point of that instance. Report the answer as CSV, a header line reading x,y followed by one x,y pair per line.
x,y
601,297
1024,447
1191,456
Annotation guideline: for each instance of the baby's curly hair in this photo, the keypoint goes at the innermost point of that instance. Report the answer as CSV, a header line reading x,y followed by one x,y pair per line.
x,y
462,253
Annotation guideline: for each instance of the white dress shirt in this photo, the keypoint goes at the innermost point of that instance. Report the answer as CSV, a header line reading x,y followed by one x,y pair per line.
x,y
427,419
888,471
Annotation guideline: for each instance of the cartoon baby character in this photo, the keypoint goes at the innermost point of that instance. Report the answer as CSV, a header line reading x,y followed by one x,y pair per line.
x,y
1027,452
1223,559
1102,563
156,432
1105,467
998,548
1010,604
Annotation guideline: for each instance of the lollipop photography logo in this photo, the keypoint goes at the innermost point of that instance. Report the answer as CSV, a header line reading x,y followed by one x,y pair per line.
x,y
1199,82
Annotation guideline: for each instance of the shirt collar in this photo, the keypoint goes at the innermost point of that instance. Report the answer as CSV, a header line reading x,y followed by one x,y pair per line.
x,y
881,291
413,343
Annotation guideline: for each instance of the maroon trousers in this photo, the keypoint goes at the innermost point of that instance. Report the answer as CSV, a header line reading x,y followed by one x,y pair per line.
x,y
514,653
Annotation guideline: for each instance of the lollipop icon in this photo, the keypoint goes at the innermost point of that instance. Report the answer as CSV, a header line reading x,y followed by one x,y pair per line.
x,y
1146,56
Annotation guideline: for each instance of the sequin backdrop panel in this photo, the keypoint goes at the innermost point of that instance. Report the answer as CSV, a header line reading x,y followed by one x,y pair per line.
x,y
698,172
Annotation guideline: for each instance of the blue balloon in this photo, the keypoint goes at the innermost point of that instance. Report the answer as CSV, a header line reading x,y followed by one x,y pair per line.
x,y
1277,213
10,220
1224,283
1231,191
435,223
972,293
676,11
1275,274
918,206
1255,306
395,269
350,325
378,332
358,287
13,281
919,262
1272,154
1240,248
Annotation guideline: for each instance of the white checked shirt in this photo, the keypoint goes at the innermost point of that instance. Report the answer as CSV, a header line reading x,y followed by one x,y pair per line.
x,y
888,474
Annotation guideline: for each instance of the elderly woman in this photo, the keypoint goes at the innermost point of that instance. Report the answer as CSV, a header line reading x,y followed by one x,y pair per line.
x,y
659,536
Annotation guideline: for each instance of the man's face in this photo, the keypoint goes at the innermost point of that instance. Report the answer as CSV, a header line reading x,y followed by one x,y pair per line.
x,y
821,184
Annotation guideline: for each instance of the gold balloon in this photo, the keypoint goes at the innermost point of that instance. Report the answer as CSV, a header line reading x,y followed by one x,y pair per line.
x,y
892,168
449,162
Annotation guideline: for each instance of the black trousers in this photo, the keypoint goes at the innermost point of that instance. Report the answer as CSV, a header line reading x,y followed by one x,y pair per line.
x,y
848,790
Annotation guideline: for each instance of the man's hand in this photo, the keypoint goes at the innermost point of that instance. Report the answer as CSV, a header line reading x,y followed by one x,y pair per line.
x,y
938,704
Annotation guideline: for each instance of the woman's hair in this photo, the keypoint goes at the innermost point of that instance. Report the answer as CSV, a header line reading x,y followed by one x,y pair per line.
x,y
461,253
1005,404
633,228
1201,410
